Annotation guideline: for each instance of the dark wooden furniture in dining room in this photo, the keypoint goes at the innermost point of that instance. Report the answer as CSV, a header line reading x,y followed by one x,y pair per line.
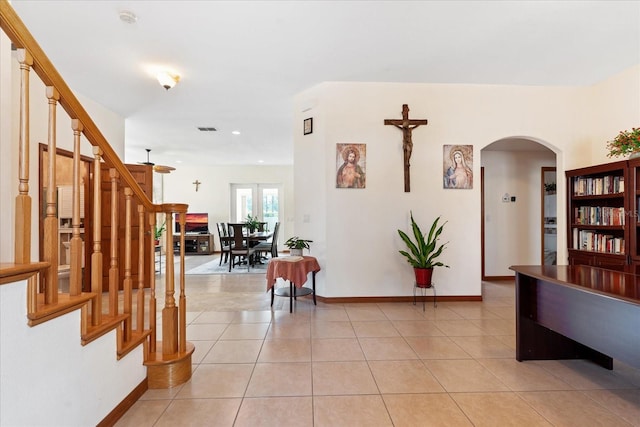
x,y
577,312
225,241
269,246
240,246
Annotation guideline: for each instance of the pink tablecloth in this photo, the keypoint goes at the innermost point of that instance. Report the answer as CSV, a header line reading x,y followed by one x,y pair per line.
x,y
294,271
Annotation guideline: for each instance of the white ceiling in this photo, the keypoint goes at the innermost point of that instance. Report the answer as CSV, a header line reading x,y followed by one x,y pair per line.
x,y
241,62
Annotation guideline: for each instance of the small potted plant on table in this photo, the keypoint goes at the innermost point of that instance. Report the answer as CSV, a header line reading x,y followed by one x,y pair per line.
x,y
423,252
157,233
252,223
296,245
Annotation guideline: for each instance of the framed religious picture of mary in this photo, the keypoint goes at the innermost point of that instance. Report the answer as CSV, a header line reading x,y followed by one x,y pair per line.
x,y
457,164
351,165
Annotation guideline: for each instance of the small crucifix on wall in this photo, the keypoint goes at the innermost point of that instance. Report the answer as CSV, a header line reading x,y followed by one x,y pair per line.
x,y
407,127
197,184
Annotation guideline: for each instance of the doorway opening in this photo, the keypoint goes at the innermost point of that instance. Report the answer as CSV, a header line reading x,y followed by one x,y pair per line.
x,y
512,223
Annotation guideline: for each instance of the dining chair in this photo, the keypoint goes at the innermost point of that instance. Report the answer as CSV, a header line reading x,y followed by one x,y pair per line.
x,y
270,246
225,242
240,246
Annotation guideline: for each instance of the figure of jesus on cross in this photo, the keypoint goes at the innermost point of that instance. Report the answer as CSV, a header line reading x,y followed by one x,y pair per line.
x,y
407,126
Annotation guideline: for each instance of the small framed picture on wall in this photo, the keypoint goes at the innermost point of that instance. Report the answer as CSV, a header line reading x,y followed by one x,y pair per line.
x,y
351,163
457,165
308,126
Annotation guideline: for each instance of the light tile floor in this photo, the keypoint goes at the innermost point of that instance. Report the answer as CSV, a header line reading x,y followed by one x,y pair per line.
x,y
385,364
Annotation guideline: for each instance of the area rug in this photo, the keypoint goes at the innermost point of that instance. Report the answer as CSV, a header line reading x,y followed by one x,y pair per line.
x,y
213,267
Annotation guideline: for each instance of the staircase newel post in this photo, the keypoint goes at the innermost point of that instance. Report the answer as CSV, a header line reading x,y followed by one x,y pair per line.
x,y
170,311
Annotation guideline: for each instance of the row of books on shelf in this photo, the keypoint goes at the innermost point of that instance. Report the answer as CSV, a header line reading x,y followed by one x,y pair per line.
x,y
583,186
599,215
589,240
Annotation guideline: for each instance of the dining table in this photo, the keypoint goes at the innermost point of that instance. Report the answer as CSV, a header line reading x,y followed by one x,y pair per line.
x,y
258,236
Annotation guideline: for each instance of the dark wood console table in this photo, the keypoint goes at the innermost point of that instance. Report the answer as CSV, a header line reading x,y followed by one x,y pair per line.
x,y
199,244
577,312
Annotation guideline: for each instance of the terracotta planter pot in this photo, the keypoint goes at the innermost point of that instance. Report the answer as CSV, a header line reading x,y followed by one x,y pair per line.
x,y
423,277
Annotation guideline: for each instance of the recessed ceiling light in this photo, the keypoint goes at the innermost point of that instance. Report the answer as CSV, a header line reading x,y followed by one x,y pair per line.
x,y
128,16
260,161
235,132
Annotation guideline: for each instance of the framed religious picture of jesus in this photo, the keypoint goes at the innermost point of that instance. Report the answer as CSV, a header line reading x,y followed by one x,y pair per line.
x,y
351,165
457,164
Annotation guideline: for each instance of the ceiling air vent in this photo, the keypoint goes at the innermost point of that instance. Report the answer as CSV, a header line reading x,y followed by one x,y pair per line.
x,y
202,129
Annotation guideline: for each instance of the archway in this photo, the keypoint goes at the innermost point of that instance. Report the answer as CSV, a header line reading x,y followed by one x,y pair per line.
x,y
511,206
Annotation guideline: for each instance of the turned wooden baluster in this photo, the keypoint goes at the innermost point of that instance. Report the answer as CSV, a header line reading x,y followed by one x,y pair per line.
x,y
22,244
128,283
51,240
152,286
141,251
113,264
75,274
96,256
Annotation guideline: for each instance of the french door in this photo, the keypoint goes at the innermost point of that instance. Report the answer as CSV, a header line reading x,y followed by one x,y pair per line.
x,y
261,200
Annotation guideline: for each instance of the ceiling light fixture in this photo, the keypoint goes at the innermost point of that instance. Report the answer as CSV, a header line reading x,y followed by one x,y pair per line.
x,y
128,17
167,79
235,132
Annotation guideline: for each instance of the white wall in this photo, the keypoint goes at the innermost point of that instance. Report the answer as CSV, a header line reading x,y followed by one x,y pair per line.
x,y
8,153
615,106
508,225
213,195
49,378
354,231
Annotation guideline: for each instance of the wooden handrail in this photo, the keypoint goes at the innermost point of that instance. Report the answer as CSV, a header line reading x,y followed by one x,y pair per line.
x,y
15,29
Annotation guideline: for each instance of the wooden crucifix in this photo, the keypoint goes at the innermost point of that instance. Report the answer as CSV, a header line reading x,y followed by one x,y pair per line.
x,y
197,184
406,126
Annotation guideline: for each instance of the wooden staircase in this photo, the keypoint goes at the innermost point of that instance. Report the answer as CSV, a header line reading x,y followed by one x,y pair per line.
x,y
130,306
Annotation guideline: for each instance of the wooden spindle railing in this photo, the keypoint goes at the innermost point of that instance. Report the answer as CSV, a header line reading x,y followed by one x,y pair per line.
x,y
169,365
96,256
141,268
114,272
23,200
51,243
75,277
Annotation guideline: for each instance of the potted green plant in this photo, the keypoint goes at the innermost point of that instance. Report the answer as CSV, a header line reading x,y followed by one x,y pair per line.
x,y
550,187
626,142
157,232
423,251
252,222
296,245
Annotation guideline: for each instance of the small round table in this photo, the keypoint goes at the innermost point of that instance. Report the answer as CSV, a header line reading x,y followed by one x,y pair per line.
x,y
294,269
423,291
